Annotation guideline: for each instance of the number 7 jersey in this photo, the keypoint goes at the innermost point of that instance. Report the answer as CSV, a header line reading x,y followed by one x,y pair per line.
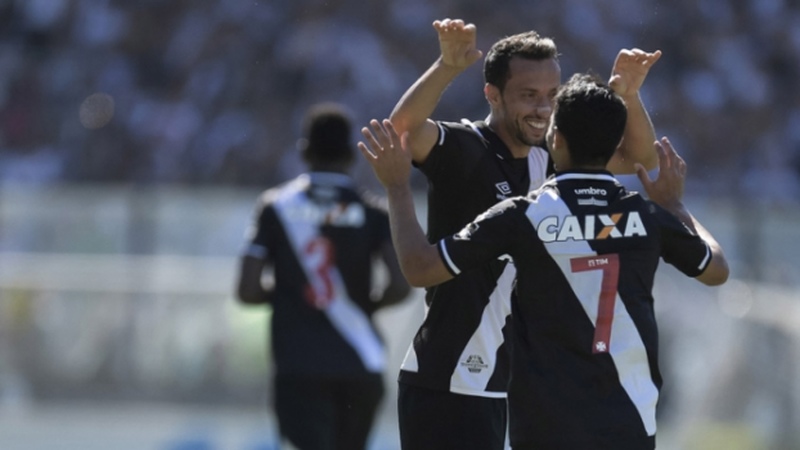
x,y
584,364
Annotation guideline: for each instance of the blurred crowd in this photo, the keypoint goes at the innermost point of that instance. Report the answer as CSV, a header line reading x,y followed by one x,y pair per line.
x,y
212,91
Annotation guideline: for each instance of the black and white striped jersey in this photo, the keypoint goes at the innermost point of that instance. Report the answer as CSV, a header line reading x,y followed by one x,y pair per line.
x,y
321,236
585,347
460,345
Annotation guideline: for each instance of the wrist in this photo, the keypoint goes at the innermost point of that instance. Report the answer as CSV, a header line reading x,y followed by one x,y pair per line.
x,y
630,97
396,188
447,69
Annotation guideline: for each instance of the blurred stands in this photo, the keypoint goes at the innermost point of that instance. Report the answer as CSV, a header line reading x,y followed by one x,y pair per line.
x,y
211,91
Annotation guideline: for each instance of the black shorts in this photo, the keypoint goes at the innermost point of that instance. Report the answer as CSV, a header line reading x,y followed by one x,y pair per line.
x,y
441,420
327,414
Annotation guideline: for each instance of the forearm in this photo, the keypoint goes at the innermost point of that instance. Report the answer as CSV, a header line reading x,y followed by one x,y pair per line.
x,y
637,141
418,103
419,260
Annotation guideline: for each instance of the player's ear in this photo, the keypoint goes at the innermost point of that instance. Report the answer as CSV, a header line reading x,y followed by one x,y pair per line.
x,y
492,94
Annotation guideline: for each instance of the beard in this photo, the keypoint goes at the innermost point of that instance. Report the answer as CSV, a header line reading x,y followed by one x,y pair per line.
x,y
530,141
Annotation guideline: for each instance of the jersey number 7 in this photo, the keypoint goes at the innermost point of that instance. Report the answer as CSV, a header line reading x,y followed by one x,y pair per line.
x,y
609,264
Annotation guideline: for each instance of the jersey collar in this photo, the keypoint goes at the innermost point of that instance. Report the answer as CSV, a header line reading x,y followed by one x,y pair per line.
x,y
593,175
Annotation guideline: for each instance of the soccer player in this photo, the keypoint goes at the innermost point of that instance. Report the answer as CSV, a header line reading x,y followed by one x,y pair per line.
x,y
584,362
458,360
320,235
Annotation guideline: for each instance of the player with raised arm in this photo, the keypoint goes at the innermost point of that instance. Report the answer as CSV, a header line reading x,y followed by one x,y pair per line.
x,y
584,363
458,360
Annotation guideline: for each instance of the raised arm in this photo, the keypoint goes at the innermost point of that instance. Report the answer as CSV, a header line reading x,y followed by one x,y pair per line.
x,y
391,162
667,191
412,112
627,76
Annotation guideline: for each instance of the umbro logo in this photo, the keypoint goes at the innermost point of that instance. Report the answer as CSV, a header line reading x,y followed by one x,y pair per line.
x,y
504,189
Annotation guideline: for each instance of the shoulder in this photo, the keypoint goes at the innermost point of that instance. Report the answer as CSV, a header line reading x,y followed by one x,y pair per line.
x,y
508,207
464,129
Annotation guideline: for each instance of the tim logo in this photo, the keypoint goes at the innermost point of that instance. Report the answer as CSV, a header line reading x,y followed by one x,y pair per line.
x,y
504,189
474,364
590,227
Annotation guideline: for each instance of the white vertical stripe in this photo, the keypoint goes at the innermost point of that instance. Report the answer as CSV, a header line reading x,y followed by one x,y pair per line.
x,y
627,348
478,361
537,167
348,319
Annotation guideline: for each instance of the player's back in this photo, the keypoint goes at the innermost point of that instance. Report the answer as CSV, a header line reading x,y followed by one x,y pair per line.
x,y
586,345
323,239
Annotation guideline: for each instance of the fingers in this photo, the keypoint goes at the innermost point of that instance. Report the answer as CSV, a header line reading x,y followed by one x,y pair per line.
x,y
644,177
655,56
365,151
639,56
674,159
373,142
381,136
449,25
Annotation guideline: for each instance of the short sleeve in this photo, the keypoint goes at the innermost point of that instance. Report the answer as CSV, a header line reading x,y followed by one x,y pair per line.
x,y
681,247
491,235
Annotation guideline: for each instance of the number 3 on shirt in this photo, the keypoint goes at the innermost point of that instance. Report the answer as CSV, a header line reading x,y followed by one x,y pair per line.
x,y
319,260
609,264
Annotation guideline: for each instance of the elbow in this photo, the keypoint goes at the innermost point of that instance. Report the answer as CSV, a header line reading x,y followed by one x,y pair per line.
x,y
716,275
718,278
399,121
420,273
417,281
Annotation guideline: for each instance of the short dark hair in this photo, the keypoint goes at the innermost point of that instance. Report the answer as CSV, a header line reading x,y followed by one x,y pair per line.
x,y
591,117
527,45
326,134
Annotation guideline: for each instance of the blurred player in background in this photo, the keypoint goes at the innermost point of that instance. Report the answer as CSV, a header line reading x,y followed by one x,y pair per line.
x,y
320,236
458,360
584,342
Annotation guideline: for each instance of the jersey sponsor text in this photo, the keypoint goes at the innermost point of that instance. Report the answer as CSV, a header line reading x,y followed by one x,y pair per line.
x,y
561,229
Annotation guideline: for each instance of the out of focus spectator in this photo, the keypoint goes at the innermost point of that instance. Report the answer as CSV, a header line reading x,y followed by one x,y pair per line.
x,y
210,92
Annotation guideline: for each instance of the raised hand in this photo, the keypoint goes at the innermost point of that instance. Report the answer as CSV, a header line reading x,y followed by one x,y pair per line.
x,y
630,69
667,189
457,43
386,153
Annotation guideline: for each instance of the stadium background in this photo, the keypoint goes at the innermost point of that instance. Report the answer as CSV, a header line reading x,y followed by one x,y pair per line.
x,y
118,242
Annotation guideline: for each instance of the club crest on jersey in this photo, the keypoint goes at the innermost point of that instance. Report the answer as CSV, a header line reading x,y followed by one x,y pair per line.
x,y
590,227
474,364
504,188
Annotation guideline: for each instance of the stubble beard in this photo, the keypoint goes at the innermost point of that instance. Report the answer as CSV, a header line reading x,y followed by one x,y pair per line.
x,y
529,141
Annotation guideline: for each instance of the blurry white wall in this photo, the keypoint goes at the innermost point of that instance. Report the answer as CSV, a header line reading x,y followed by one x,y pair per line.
x,y
116,306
